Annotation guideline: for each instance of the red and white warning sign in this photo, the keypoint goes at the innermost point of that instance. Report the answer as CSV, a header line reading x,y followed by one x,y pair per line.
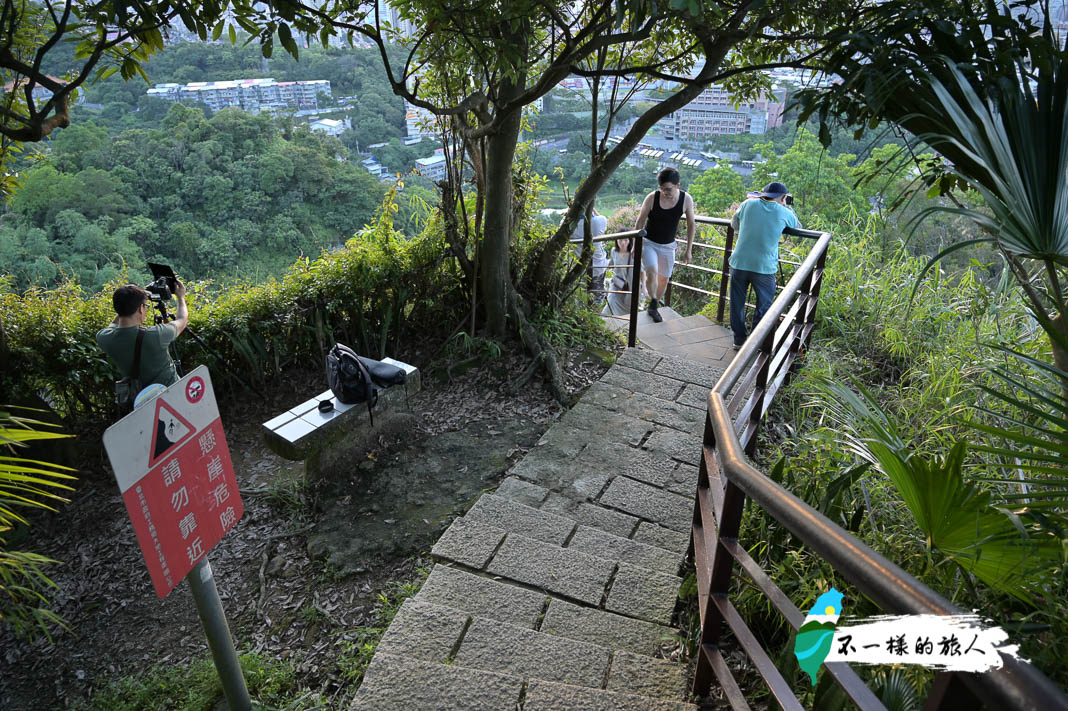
x,y
174,471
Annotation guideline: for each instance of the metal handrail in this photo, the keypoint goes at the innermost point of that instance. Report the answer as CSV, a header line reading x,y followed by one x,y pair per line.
x,y
726,478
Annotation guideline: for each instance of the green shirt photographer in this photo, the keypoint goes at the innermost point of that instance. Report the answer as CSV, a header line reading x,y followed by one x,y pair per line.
x,y
119,338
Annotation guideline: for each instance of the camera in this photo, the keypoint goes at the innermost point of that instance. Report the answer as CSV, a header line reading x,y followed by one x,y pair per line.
x,y
159,290
164,285
789,199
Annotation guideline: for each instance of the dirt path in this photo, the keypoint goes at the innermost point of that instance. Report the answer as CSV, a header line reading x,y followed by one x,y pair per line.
x,y
302,567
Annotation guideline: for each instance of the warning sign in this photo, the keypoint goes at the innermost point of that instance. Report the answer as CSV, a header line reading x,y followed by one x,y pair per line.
x,y
174,472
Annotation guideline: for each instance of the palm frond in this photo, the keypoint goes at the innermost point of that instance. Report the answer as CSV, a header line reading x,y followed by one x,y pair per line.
x,y
956,516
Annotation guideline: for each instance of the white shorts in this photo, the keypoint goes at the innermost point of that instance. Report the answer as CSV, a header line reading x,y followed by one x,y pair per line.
x,y
659,258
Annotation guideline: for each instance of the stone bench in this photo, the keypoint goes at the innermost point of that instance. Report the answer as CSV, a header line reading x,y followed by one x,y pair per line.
x,y
323,439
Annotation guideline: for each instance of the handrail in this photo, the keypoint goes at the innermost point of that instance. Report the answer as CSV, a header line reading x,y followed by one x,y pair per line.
x,y
726,478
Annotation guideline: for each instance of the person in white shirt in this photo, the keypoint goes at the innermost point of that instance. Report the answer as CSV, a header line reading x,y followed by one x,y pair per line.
x,y
598,226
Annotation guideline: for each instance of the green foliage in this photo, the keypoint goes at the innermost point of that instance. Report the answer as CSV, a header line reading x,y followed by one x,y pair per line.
x,y
716,190
372,293
1005,550
232,196
26,484
821,184
196,687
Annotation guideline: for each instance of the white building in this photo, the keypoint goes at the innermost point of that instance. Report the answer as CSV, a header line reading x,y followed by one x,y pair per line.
x,y
330,127
252,95
432,167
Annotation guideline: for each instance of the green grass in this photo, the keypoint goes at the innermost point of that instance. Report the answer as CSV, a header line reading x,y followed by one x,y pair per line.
x,y
272,684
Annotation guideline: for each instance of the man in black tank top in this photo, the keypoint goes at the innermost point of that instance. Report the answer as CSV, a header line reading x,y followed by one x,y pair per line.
x,y
660,215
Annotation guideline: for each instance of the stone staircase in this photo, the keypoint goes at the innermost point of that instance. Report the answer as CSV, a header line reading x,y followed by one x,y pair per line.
x,y
694,338
558,590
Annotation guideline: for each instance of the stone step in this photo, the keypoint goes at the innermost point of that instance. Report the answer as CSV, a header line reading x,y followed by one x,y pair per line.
x,y
551,696
396,683
561,531
435,633
393,683
570,573
479,596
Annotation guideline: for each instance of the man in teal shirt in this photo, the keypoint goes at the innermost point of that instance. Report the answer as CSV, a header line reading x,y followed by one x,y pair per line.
x,y
758,224
119,338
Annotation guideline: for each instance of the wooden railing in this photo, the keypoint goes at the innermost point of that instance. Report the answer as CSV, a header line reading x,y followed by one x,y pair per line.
x,y
726,480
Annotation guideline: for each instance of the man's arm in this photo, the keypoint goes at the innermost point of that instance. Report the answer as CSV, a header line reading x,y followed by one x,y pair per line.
x,y
643,214
735,221
181,316
691,227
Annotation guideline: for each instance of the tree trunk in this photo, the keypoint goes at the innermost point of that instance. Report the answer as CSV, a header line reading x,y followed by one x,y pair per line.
x,y
497,237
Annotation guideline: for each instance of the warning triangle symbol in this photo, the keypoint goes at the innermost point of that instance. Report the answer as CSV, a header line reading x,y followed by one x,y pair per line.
x,y
171,430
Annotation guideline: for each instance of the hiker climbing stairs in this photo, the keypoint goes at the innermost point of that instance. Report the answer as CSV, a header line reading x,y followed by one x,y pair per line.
x,y
559,589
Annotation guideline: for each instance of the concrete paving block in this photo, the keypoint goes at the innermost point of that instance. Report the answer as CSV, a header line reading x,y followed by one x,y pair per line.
x,y
468,542
572,574
482,597
653,535
552,696
565,441
608,396
639,359
526,521
399,684
602,628
531,655
546,470
638,674
651,467
605,425
683,446
669,414
614,522
694,396
688,371
649,503
576,479
604,545
683,480
642,593
524,492
659,386
424,631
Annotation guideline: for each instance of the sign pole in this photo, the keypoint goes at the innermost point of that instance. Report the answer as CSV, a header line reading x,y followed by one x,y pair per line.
x,y
209,607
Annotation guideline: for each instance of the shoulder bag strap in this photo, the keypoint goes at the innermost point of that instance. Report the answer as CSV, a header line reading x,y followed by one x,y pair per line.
x,y
135,372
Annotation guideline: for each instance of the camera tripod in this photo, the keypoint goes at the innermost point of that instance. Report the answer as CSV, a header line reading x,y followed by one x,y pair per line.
x,y
163,317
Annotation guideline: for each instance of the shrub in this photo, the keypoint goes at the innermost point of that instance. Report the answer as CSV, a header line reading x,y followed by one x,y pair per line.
x,y
371,293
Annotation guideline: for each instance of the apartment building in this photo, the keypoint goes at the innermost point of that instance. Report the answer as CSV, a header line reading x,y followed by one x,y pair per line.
x,y
252,95
713,113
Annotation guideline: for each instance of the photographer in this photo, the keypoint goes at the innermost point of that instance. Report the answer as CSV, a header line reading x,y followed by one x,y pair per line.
x,y
759,223
119,339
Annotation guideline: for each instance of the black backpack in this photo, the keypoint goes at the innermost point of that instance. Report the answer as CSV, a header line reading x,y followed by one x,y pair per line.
x,y
349,378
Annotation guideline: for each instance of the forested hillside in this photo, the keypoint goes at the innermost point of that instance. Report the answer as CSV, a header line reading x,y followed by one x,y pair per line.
x,y
233,195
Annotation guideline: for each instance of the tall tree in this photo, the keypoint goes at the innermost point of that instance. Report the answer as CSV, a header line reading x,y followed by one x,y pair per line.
x,y
478,63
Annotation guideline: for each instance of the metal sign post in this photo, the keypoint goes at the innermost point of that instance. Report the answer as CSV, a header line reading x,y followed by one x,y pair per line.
x,y
173,468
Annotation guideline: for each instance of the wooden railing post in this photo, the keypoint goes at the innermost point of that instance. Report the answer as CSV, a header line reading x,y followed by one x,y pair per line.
x,y
724,278
635,289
